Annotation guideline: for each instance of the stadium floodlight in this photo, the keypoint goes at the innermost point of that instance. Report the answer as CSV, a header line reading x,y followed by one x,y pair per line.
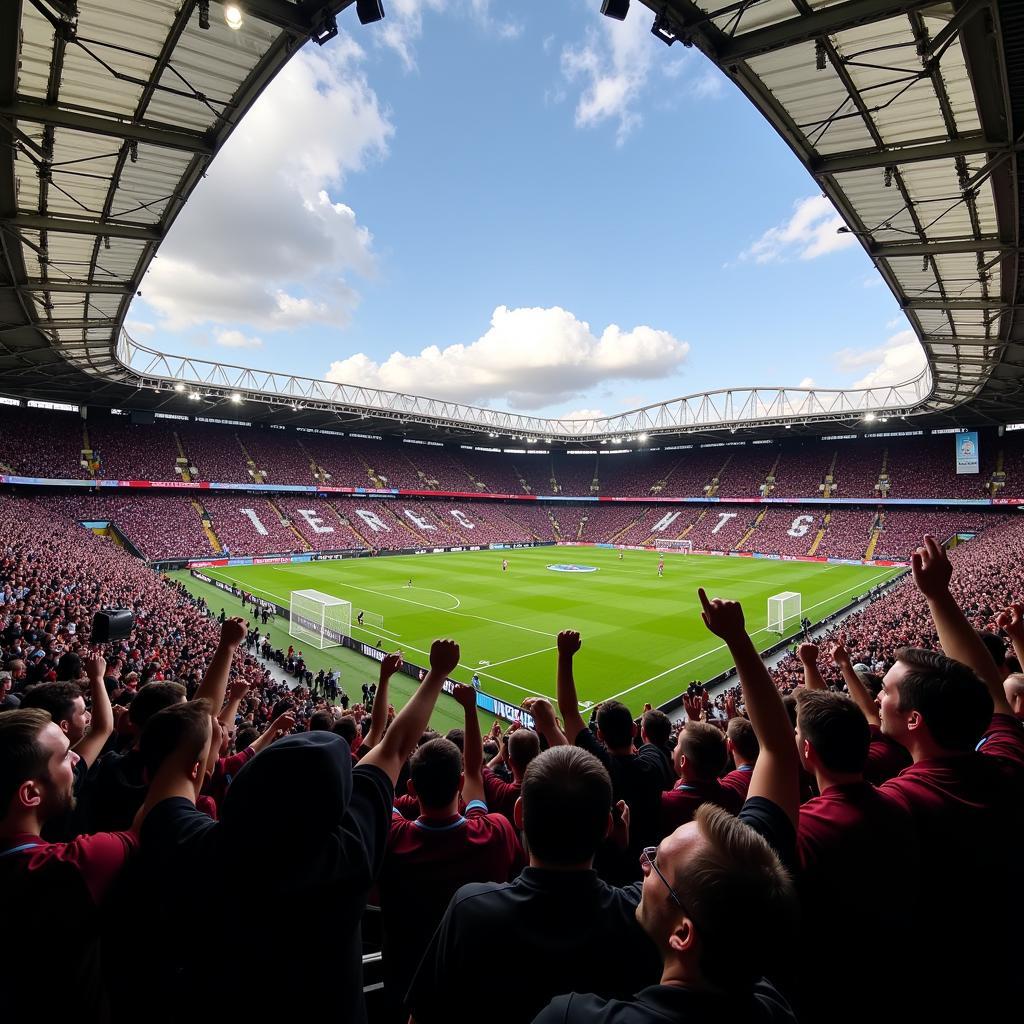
x,y
617,9
664,28
642,438
194,395
233,16
869,417
319,619
179,386
236,398
369,11
783,611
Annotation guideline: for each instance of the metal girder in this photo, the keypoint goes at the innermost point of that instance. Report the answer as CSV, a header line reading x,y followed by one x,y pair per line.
x,y
954,304
822,22
96,287
911,152
71,325
67,225
887,250
102,123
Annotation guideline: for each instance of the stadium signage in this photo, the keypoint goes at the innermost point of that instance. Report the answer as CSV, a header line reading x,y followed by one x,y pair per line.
x,y
563,567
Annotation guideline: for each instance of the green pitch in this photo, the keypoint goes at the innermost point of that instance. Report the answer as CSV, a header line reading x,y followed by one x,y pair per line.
x,y
643,639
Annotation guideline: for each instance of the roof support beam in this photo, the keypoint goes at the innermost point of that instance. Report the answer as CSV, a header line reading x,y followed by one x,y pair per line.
x,y
888,250
822,22
102,123
95,287
67,225
73,325
954,304
911,152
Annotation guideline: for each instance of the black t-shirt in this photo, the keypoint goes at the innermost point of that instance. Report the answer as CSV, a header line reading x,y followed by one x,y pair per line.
x,y
661,1004
302,898
558,930
116,789
638,779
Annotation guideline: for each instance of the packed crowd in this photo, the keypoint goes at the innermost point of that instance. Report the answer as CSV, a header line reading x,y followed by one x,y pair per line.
x,y
170,526
50,444
824,846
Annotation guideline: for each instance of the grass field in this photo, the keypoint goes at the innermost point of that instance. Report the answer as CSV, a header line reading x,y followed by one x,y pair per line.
x,y
643,639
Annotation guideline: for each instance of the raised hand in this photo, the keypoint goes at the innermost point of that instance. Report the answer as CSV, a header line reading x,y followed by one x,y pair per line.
x,y
391,664
237,690
620,827
444,656
693,708
569,642
932,568
282,725
723,618
808,653
542,711
95,667
1011,621
232,633
465,696
840,655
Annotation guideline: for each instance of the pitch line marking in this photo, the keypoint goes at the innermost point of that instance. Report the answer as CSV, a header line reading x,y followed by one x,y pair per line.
x,y
721,647
419,650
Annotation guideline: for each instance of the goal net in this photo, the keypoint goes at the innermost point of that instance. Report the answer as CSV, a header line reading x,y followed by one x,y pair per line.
x,y
318,619
683,547
783,611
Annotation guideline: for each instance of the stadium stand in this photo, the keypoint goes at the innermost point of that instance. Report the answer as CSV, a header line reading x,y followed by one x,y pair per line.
x,y
215,452
122,451
42,443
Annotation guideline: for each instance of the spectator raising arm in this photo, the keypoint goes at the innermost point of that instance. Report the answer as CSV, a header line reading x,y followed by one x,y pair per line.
x,y
808,655
400,740
280,726
776,773
379,716
102,725
932,572
236,694
472,747
215,682
1011,621
569,643
855,685
545,721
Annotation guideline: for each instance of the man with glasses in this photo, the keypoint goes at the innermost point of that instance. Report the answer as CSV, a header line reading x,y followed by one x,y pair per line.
x,y
716,899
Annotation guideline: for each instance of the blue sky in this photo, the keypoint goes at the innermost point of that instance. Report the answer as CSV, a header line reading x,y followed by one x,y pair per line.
x,y
542,210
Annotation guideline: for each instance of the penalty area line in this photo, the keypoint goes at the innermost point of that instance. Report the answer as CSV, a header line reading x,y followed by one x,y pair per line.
x,y
722,647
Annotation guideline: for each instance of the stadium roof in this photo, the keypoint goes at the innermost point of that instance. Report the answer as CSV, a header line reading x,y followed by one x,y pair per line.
x,y
909,114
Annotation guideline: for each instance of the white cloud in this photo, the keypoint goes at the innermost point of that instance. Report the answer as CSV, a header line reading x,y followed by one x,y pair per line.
x,y
584,414
528,358
811,232
807,382
402,29
139,327
900,359
262,243
612,66
236,339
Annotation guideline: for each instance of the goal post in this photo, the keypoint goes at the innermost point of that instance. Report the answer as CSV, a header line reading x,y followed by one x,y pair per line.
x,y
784,611
318,619
680,547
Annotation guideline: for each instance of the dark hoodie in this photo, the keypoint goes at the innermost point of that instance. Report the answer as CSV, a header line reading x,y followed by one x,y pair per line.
x,y
301,838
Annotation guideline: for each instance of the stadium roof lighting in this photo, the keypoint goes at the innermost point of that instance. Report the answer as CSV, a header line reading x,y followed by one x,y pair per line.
x,y
236,398
617,9
179,387
642,438
233,16
869,417
194,395
369,11
789,426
